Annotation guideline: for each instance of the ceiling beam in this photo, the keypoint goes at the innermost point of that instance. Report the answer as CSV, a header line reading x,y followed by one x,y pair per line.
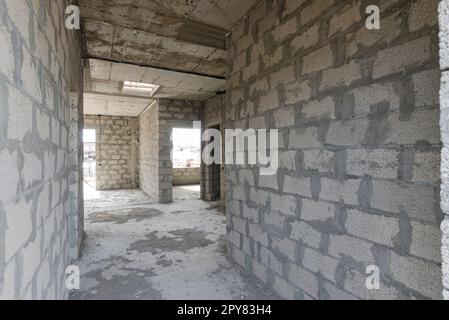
x,y
89,56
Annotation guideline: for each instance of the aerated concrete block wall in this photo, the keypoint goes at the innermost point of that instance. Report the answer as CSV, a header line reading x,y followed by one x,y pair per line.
x,y
172,114
40,69
186,176
149,151
444,124
213,180
155,143
358,181
116,151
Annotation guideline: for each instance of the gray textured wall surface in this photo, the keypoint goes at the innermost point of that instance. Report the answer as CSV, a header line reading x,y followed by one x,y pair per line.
x,y
116,151
186,176
149,151
444,125
358,181
172,114
40,70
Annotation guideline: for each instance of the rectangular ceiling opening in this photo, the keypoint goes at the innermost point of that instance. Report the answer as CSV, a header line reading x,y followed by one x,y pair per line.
x,y
139,88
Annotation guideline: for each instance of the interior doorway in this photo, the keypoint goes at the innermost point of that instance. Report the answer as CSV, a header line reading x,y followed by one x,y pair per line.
x,y
89,160
212,175
186,171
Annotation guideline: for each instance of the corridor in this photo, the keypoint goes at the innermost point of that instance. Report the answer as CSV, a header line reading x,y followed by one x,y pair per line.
x,y
136,249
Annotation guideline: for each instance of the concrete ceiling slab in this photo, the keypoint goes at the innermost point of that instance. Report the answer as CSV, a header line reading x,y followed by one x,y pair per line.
x,y
180,35
221,13
125,45
112,105
109,77
177,44
126,72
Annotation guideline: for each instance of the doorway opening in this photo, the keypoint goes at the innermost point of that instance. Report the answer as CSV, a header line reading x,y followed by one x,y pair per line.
x,y
89,161
186,172
212,176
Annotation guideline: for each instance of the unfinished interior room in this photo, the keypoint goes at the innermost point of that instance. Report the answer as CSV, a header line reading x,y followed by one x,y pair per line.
x,y
122,124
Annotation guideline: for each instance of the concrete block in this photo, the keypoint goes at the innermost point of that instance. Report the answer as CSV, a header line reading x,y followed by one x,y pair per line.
x,y
292,5
287,160
269,182
426,167
258,234
368,96
285,246
377,163
31,255
6,52
336,294
306,39
303,231
423,13
417,274
316,211
427,84
268,259
355,283
297,91
284,117
349,16
342,76
317,262
286,29
239,225
19,227
297,186
246,175
43,125
9,175
303,138
259,271
284,204
347,133
319,160
333,190
250,71
323,108
364,38
402,57
259,197
373,227
250,214
238,256
274,219
32,169
273,58
268,101
20,120
416,201
283,288
30,76
318,60
420,127
426,241
260,85
314,10
303,279
356,248
284,76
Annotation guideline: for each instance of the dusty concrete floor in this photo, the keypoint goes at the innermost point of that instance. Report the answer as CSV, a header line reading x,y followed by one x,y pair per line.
x,y
136,249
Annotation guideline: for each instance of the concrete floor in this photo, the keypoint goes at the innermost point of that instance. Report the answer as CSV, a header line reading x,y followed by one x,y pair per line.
x,y
136,249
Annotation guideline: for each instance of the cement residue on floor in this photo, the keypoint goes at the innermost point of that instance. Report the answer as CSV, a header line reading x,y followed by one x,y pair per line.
x,y
137,249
